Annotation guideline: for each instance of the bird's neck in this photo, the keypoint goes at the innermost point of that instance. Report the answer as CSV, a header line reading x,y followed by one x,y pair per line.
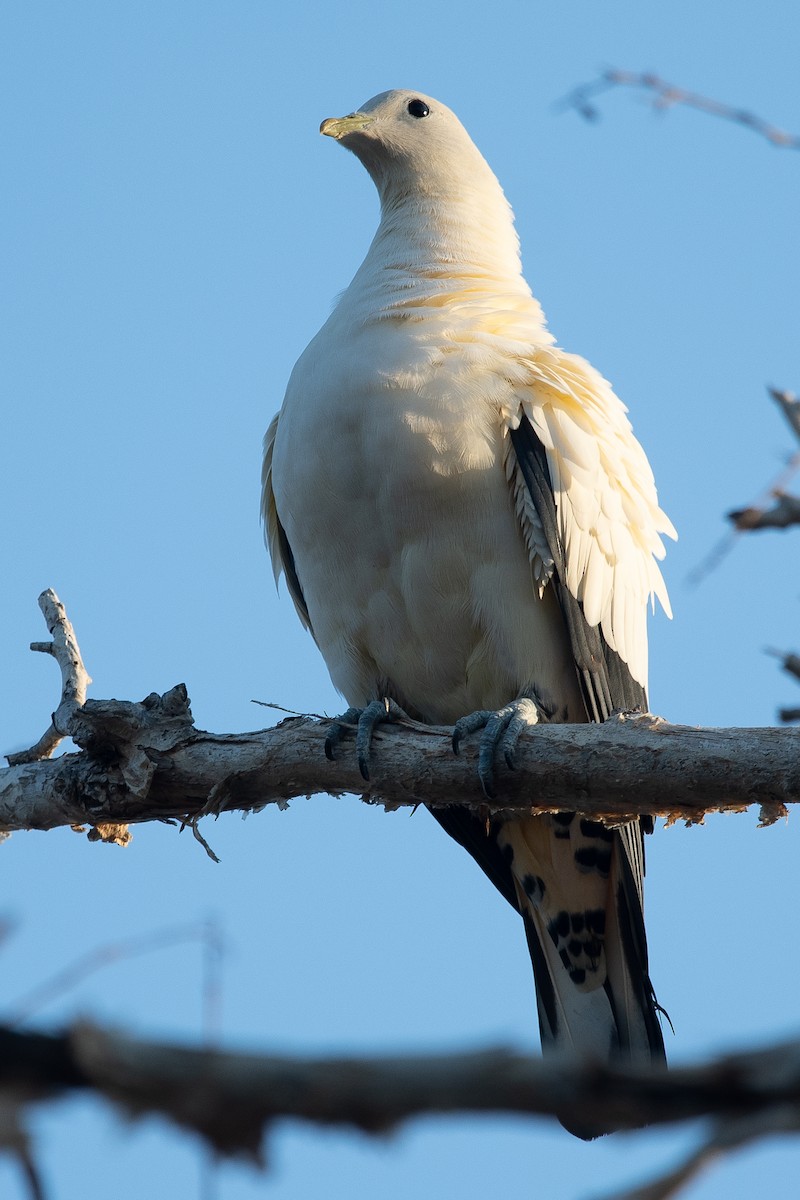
x,y
430,249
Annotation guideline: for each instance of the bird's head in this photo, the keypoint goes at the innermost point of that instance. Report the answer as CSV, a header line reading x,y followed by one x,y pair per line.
x,y
412,144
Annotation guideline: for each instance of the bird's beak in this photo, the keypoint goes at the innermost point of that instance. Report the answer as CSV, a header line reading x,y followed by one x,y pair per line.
x,y
339,127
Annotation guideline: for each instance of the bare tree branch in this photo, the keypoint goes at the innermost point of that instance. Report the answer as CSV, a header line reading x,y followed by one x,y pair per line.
x,y
147,761
632,764
667,95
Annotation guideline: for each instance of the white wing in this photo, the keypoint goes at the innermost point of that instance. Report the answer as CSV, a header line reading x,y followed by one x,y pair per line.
x,y
609,520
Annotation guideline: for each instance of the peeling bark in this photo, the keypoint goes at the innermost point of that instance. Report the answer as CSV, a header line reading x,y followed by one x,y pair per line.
x,y
147,761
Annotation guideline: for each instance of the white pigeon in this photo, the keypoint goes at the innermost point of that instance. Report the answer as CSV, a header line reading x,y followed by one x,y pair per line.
x,y
468,525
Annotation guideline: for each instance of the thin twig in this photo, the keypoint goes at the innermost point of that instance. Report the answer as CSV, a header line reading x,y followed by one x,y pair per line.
x,y
75,679
191,823
213,955
789,662
290,712
213,958
732,1134
665,96
30,1173
748,516
785,510
14,1137
719,551
100,957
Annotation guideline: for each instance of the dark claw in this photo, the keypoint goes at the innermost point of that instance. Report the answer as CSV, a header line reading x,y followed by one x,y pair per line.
x,y
468,725
489,741
365,721
501,731
337,730
373,715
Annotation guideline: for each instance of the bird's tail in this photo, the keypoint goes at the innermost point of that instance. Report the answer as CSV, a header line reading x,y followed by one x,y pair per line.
x,y
579,889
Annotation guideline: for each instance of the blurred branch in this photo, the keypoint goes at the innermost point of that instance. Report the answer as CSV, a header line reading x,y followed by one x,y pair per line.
x,y
783,513
231,1099
791,664
759,515
786,509
665,96
148,762
789,405
14,1141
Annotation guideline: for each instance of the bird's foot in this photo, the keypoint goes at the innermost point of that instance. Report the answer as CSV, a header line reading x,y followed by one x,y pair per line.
x,y
338,729
501,731
365,721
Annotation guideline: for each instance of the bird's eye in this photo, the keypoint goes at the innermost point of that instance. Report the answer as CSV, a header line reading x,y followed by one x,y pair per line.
x,y
418,108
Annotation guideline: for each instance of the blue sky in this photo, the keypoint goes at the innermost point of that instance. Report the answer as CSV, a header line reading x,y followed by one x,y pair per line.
x,y
175,232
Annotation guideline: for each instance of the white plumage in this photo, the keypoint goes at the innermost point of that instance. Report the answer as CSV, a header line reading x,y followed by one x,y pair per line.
x,y
466,519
